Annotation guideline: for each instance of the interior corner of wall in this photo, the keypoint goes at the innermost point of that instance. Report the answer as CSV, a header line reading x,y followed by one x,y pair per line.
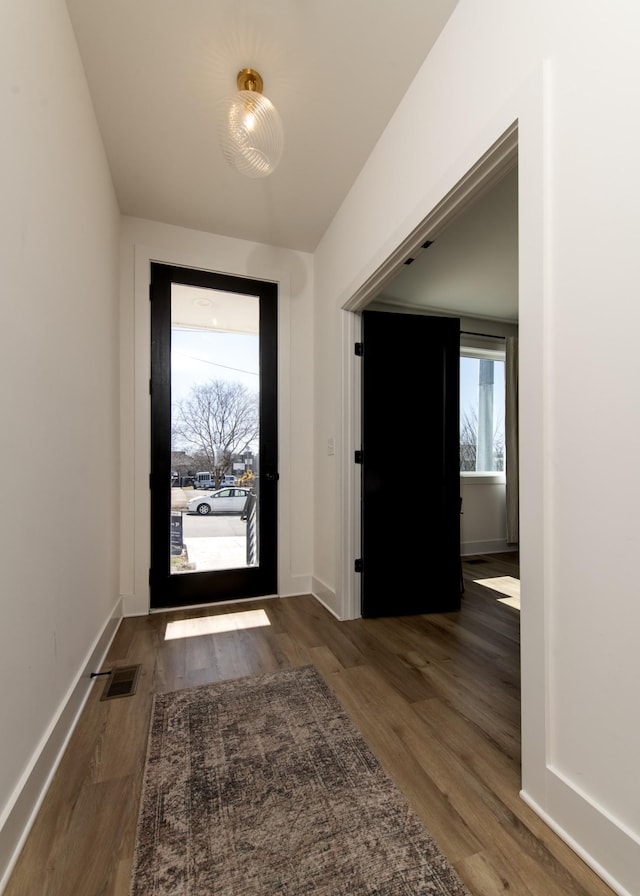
x,y
132,605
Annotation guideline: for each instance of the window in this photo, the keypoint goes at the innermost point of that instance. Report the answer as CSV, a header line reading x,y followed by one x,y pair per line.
x,y
482,407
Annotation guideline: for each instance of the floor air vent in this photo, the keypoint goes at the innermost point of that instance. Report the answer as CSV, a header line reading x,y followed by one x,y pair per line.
x,y
474,560
122,682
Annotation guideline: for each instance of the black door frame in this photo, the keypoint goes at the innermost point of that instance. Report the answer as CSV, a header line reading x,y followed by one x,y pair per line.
x,y
187,589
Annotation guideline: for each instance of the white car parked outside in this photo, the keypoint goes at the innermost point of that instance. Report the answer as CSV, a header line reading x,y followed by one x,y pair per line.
x,y
225,500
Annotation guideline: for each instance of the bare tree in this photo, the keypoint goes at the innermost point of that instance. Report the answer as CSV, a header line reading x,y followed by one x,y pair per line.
x,y
469,443
217,421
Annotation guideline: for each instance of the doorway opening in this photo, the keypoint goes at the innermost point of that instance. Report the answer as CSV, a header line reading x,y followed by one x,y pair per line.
x,y
486,331
498,165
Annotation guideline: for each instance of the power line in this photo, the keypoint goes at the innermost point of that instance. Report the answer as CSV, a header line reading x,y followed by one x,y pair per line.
x,y
214,363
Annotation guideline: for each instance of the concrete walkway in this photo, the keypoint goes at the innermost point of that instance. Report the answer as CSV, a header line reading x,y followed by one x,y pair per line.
x,y
217,553
210,553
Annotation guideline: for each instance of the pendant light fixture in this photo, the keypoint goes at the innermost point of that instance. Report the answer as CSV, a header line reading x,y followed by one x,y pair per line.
x,y
250,128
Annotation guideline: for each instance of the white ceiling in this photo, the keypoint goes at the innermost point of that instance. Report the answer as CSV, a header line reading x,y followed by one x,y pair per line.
x,y
335,70
472,267
194,308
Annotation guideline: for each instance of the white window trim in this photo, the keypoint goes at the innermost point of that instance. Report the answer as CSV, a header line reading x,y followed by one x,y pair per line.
x,y
485,477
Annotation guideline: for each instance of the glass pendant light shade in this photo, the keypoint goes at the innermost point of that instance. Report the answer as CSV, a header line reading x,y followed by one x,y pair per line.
x,y
250,129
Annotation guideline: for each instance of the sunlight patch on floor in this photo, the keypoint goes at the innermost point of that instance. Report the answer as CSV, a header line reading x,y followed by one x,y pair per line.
x,y
505,585
214,625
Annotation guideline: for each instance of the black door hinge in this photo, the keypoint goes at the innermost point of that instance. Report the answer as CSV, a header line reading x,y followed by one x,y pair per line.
x,y
358,457
359,349
150,292
357,566
149,576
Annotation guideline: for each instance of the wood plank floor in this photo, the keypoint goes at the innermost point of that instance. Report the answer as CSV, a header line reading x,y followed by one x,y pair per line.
x,y
437,697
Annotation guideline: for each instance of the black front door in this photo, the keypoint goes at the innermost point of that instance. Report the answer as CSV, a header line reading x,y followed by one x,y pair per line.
x,y
410,469
213,437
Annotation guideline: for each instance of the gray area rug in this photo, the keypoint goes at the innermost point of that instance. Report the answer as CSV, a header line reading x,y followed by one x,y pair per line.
x,y
264,786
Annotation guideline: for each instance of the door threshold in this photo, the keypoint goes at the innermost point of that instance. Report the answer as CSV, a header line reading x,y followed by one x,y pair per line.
x,y
215,603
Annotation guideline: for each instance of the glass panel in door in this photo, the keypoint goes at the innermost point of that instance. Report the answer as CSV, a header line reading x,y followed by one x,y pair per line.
x,y
215,429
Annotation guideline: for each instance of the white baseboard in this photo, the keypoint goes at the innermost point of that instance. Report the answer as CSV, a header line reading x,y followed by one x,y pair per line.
x,y
605,845
327,597
18,817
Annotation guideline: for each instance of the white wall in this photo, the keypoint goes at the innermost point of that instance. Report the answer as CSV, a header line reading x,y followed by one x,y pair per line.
x,y
483,524
144,241
568,73
59,348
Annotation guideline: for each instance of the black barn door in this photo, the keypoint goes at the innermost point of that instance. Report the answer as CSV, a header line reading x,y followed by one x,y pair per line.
x,y
410,468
